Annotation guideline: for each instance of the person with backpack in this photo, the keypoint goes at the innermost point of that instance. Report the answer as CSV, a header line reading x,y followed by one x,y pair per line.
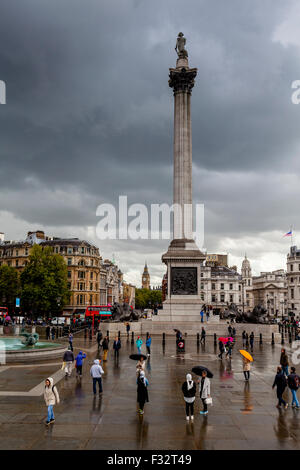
x,y
117,347
139,343
96,374
105,343
68,360
280,383
148,345
293,384
142,391
79,362
51,398
284,362
189,394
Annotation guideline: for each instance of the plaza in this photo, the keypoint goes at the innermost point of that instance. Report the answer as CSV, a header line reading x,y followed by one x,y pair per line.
x,y
243,415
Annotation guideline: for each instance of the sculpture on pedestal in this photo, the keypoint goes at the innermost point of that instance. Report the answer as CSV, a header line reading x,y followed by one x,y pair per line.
x,y
180,46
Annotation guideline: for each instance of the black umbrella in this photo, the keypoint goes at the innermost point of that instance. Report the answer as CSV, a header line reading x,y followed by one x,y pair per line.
x,y
199,369
137,357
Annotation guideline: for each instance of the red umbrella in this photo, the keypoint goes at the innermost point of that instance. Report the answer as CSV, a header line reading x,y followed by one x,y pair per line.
x,y
224,340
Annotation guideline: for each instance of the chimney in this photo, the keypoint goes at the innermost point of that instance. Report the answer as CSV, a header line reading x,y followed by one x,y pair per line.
x,y
1,237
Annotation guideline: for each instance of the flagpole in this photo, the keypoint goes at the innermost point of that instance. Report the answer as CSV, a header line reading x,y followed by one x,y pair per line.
x,y
291,236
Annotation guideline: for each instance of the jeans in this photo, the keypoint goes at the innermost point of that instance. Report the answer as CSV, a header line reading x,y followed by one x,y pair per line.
x,y
285,370
295,400
201,319
71,345
139,349
188,407
95,380
50,413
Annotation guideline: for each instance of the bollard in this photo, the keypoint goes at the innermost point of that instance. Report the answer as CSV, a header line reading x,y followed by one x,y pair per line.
x,y
132,337
164,338
260,339
290,336
282,338
119,334
198,339
215,339
107,333
273,342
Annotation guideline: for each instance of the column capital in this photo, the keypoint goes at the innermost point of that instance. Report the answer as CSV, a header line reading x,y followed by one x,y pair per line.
x,y
182,80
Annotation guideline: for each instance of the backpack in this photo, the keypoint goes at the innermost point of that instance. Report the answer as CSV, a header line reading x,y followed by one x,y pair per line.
x,y
294,382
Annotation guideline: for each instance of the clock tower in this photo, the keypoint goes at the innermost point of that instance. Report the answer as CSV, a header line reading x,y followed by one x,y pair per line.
x,y
146,278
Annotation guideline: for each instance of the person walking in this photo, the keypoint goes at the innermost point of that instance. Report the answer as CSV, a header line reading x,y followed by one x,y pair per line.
x,y
96,374
189,394
244,338
246,368
68,359
251,340
203,335
201,314
79,363
139,343
116,347
53,331
148,345
281,383
229,347
99,338
204,391
284,362
293,384
71,341
105,344
207,315
140,367
229,330
221,350
51,398
142,391
48,332
233,332
127,329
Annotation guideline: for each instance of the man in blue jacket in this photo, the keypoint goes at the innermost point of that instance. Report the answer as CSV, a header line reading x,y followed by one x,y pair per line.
x,y
79,362
148,345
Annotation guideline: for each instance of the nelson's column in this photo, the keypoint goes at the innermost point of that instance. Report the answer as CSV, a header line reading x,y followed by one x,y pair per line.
x,y
183,258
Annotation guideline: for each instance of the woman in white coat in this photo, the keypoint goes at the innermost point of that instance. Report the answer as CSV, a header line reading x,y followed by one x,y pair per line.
x,y
51,397
204,384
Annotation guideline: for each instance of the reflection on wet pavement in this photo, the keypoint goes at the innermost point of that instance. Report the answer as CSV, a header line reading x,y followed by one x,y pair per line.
x,y
243,415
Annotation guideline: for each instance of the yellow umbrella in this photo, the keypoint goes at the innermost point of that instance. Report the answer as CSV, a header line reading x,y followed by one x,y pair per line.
x,y
246,355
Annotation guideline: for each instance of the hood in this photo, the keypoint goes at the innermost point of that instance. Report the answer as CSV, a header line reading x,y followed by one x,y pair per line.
x,y
51,381
97,362
188,377
80,353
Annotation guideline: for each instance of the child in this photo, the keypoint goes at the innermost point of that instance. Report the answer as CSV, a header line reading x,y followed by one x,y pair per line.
x,y
79,362
51,397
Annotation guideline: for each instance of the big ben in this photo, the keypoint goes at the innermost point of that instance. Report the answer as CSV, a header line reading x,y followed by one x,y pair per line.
x,y
146,278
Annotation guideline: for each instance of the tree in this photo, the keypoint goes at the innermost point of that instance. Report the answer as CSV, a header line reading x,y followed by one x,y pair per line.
x,y
9,287
147,298
44,283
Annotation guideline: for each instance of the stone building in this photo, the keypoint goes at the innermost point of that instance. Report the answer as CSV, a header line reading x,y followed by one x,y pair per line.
x,y
129,294
214,259
114,278
269,290
146,278
248,300
293,280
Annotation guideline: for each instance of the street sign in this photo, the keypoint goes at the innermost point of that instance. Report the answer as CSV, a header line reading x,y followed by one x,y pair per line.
x,y
17,302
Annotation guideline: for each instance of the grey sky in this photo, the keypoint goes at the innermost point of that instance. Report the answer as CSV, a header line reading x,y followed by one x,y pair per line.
x,y
89,117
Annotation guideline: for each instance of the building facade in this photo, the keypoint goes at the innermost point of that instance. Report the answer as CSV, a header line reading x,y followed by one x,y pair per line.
x,y
293,280
270,291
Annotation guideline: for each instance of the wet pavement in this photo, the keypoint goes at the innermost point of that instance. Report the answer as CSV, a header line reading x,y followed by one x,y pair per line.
x,y
243,415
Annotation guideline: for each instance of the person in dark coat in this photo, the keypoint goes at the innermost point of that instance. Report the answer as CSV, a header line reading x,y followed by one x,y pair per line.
x,y
142,392
189,393
105,347
251,340
244,338
99,338
203,334
53,331
281,383
117,347
284,362
221,349
48,332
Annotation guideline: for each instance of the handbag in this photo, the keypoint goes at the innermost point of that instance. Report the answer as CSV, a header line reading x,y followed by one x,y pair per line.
x,y
208,401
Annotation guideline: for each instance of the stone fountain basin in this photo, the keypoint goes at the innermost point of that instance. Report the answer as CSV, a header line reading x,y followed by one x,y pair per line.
x,y
12,350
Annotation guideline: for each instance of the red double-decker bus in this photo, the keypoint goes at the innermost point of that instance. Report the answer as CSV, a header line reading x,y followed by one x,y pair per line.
x,y
97,312
3,311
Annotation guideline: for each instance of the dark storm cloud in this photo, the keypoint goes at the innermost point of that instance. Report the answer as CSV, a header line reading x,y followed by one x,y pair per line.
x,y
89,112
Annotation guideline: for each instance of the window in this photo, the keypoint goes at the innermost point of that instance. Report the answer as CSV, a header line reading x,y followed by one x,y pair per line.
x,y
69,285
231,298
82,249
91,275
69,261
69,274
213,297
17,263
17,252
91,286
222,297
201,275
213,287
230,286
222,287
292,279
249,282
202,286
292,267
292,293
70,251
202,297
81,274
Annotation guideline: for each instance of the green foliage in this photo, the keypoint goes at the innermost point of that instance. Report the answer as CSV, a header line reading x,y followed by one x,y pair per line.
x,y
144,296
9,287
43,282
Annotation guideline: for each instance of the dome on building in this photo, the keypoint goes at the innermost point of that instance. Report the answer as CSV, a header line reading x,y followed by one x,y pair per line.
x,y
246,263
